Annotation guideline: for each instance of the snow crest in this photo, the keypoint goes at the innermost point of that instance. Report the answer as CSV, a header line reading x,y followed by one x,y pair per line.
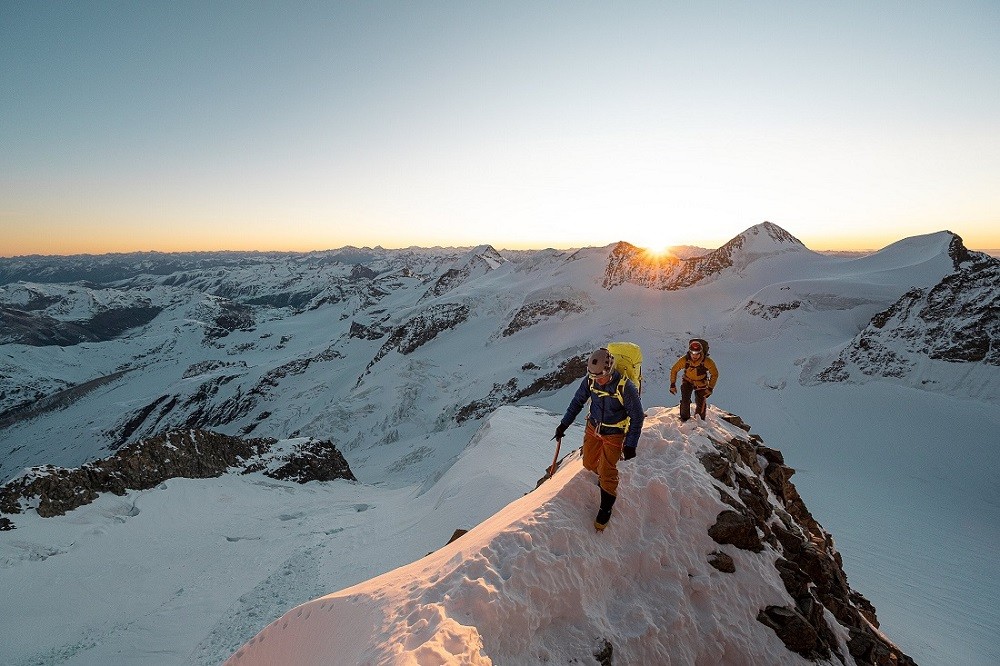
x,y
536,584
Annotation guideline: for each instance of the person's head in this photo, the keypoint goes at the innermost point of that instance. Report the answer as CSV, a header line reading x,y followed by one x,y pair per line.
x,y
694,349
600,365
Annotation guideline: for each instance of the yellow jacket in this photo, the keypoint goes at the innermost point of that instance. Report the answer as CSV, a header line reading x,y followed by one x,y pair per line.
x,y
702,374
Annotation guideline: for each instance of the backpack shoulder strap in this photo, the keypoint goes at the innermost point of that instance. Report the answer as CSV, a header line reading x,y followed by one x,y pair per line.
x,y
596,390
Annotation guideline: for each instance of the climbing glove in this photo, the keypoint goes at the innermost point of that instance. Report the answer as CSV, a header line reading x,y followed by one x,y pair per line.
x,y
560,430
628,452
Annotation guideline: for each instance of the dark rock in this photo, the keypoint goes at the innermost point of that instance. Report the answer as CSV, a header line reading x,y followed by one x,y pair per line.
x,y
796,581
58,400
768,312
794,631
422,328
722,562
569,371
770,455
231,317
737,529
362,332
754,496
537,311
731,501
315,460
362,272
193,454
500,394
869,650
717,466
605,653
809,566
735,420
5,524
865,607
40,330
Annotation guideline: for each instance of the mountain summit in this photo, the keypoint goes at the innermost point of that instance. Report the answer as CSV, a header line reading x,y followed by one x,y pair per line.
x,y
766,238
710,557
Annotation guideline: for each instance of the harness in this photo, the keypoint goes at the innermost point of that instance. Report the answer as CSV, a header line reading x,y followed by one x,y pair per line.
x,y
700,371
601,393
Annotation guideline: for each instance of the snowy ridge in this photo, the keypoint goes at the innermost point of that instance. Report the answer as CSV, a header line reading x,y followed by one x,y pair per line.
x,y
535,584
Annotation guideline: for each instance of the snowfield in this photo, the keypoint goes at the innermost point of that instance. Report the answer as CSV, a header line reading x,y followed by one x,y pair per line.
x,y
535,583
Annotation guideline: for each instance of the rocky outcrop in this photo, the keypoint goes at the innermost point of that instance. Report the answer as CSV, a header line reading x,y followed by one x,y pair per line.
x,y
956,321
765,510
569,371
193,454
422,328
362,332
532,313
231,317
18,326
768,312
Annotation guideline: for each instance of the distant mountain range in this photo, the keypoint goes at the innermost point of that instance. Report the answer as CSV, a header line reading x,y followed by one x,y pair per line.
x,y
397,357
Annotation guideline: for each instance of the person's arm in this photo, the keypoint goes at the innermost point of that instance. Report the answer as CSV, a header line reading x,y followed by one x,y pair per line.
x,y
713,371
677,368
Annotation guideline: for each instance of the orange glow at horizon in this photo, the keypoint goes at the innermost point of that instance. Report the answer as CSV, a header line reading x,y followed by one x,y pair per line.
x,y
22,235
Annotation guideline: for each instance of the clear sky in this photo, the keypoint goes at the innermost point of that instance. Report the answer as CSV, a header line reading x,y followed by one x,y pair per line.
x,y
312,125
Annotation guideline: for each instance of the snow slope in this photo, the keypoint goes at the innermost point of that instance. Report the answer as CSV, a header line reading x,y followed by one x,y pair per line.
x,y
534,583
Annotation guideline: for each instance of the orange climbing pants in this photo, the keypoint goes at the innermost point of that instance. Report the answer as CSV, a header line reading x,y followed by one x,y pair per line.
x,y
601,454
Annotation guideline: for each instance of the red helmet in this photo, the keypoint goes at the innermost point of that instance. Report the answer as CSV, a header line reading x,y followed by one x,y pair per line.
x,y
695,347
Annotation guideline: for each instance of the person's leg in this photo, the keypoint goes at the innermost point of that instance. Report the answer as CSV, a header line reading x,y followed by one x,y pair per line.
x,y
700,404
686,388
591,449
611,452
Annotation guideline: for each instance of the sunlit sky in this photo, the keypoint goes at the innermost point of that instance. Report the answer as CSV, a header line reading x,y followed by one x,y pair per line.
x,y
297,126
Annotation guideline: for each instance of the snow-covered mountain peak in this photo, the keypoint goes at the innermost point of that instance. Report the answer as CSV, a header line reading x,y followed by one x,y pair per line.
x,y
476,263
759,240
488,254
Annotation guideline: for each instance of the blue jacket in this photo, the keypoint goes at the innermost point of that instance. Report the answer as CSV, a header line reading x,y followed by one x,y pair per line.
x,y
607,409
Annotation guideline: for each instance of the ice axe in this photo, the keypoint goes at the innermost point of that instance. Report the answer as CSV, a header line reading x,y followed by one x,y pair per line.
x,y
555,458
555,461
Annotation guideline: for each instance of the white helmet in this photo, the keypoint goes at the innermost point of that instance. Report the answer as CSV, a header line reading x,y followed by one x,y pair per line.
x,y
601,363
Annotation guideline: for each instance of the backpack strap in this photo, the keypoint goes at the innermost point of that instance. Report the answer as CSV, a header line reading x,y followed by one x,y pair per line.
x,y
601,393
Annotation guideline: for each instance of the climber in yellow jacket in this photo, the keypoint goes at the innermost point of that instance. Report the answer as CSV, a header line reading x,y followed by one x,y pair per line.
x,y
700,376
